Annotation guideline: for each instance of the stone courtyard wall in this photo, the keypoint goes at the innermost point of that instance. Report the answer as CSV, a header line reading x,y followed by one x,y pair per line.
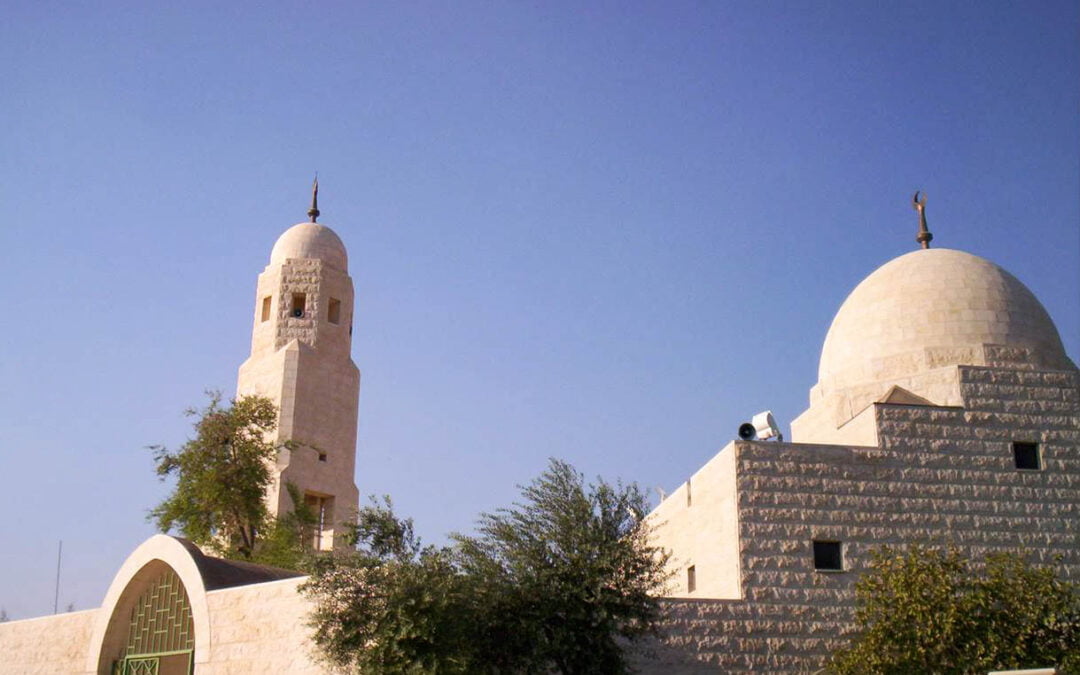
x,y
260,629
46,645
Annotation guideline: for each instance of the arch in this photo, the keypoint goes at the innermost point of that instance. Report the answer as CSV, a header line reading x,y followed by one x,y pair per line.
x,y
160,555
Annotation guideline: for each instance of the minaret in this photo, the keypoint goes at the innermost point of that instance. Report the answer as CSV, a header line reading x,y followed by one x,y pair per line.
x,y
300,359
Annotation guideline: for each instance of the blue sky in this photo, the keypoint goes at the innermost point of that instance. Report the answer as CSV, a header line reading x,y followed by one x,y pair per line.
x,y
607,232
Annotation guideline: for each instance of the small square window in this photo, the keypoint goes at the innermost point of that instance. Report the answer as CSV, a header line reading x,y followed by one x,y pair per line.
x,y
691,579
322,456
828,556
1027,456
265,314
333,312
298,302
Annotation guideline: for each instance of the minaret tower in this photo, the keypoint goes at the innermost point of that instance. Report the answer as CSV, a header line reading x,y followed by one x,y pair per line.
x,y
300,359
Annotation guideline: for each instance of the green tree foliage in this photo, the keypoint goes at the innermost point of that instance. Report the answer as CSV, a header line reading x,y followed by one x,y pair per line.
x,y
928,611
568,575
558,583
286,540
391,605
221,476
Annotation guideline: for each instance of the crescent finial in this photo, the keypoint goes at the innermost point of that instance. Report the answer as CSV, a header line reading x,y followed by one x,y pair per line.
x,y
918,202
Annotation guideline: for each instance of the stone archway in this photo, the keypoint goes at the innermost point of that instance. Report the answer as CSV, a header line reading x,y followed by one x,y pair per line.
x,y
155,619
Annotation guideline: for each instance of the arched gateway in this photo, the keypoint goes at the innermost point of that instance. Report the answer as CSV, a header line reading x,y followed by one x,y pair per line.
x,y
155,619
160,636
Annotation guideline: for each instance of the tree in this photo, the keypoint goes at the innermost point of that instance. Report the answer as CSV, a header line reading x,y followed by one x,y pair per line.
x,y
3,615
932,611
286,541
557,583
391,605
221,476
568,575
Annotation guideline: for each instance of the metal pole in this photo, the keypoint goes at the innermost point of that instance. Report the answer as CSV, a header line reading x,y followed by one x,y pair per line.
x,y
56,597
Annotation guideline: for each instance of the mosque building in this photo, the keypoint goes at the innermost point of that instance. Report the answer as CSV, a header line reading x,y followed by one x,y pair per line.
x,y
946,412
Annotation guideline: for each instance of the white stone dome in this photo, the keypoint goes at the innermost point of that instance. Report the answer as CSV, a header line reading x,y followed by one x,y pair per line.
x,y
932,308
311,240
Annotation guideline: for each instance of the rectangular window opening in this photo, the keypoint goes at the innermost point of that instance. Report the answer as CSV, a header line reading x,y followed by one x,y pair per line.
x,y
1026,456
333,312
322,456
265,313
689,497
321,535
828,556
691,579
298,301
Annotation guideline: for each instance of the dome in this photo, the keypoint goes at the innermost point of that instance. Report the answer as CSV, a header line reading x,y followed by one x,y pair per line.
x,y
311,240
932,308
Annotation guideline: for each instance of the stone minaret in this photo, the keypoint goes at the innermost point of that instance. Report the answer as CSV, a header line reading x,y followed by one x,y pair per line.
x,y
300,358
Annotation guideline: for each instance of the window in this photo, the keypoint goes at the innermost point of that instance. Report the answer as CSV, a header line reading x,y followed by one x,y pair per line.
x,y
689,497
333,312
1027,456
298,300
691,579
321,507
265,315
828,556
322,456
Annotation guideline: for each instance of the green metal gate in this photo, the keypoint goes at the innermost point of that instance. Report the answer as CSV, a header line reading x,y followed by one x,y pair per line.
x,y
161,633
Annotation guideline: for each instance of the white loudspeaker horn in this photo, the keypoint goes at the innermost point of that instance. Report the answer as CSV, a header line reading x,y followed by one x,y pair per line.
x,y
765,426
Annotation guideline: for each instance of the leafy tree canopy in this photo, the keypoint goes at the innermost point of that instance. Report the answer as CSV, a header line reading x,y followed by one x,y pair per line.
x,y
568,575
557,583
391,605
931,611
221,479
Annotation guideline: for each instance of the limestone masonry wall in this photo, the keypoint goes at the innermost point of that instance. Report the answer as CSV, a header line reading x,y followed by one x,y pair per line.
x,y
46,645
942,476
260,629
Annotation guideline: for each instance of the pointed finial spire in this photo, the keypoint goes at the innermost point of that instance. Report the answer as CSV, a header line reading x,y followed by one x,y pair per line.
x,y
313,212
924,236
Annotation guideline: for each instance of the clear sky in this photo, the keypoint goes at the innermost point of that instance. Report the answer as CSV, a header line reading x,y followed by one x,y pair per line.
x,y
607,232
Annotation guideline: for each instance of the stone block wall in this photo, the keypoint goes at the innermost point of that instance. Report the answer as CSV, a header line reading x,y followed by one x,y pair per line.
x,y
941,476
46,645
701,529
260,629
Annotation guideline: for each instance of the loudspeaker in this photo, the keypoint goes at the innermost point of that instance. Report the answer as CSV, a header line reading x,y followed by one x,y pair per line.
x,y
765,426
747,432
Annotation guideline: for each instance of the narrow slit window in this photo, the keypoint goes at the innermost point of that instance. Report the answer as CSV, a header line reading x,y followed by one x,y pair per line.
x,y
691,579
689,496
265,313
298,302
333,312
1026,456
321,507
828,556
